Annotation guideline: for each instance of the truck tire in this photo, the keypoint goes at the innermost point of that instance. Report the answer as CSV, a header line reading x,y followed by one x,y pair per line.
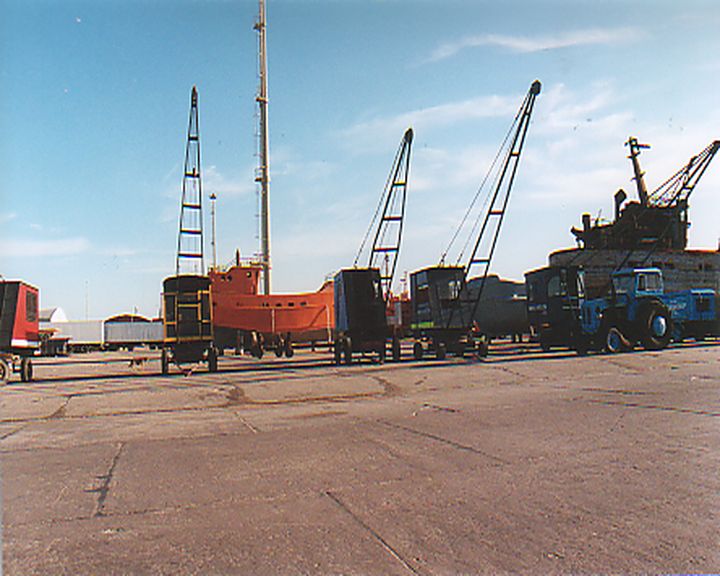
x,y
440,350
614,340
418,351
655,326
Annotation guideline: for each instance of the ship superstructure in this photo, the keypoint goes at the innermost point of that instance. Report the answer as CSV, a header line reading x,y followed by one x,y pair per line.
x,y
649,231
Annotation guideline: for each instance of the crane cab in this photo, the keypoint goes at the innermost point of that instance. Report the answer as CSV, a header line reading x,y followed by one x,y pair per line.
x,y
187,321
360,315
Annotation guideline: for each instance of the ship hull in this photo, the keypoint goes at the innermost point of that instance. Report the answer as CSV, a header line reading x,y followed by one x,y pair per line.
x,y
238,310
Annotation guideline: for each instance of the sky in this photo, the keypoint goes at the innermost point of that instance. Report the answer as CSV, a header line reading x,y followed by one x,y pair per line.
x,y
94,116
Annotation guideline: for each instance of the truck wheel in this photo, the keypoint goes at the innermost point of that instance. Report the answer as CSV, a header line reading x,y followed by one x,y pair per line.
x,y
614,340
26,370
4,372
288,348
164,363
396,349
418,350
655,326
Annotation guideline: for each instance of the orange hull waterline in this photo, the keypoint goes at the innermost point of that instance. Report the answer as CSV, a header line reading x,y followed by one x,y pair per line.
x,y
239,310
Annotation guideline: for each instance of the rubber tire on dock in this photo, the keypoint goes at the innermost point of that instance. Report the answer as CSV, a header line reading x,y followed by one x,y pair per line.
x,y
26,370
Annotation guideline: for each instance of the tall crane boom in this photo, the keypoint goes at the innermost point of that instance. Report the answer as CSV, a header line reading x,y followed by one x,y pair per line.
x,y
386,243
486,240
190,258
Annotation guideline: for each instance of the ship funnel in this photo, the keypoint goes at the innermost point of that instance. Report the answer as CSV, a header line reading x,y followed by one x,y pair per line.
x,y
620,197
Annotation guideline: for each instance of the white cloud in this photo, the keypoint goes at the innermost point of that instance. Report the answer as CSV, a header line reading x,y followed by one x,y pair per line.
x,y
528,44
7,217
224,185
24,248
367,134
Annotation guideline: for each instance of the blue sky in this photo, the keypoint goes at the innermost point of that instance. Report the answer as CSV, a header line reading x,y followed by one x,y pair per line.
x,y
95,101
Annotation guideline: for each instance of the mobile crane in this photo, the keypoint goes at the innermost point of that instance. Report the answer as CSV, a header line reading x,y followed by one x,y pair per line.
x,y
443,304
362,294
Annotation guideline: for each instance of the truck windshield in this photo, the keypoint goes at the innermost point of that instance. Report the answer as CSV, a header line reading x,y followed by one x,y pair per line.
x,y
649,283
623,284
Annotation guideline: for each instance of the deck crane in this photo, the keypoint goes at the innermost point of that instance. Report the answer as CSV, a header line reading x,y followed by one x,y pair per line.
x,y
362,294
658,219
443,300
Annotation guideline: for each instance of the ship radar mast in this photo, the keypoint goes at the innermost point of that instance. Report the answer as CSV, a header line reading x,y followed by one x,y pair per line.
x,y
263,171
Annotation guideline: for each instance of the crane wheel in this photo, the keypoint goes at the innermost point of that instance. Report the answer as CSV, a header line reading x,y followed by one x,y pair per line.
x,y
4,372
347,350
164,362
337,349
26,370
212,359
396,350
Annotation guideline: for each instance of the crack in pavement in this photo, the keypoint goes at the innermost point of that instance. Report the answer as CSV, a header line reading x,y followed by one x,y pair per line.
x,y
14,431
657,407
394,553
444,441
104,488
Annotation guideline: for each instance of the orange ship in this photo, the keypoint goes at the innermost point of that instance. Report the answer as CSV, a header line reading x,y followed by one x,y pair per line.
x,y
244,318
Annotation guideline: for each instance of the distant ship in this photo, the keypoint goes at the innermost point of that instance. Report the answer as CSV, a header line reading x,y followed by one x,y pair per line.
x,y
243,317
651,231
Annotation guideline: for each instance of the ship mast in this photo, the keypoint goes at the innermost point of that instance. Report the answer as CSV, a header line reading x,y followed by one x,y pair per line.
x,y
263,172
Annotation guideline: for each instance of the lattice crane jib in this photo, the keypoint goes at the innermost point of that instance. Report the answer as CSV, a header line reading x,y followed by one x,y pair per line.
x,y
190,257
677,189
486,240
389,217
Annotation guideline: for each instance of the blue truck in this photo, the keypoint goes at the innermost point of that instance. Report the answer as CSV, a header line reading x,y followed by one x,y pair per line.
x,y
637,311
